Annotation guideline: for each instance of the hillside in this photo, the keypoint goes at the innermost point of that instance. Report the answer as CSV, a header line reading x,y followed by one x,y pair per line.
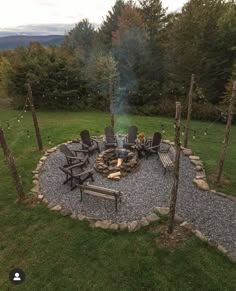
x,y
11,42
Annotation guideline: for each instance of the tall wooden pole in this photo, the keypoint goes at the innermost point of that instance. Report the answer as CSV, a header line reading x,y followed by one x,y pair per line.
x,y
34,116
190,98
227,131
111,103
174,190
12,167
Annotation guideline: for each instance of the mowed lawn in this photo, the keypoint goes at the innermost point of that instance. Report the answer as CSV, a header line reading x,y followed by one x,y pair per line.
x,y
59,253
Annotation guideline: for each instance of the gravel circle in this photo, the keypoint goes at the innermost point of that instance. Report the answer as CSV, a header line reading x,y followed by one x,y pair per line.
x,y
143,190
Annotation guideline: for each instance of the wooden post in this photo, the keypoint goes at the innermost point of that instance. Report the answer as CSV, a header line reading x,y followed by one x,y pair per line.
x,y
12,167
174,190
111,103
190,98
227,131
34,116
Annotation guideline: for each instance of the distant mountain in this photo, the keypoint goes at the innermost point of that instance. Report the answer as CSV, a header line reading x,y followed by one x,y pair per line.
x,y
11,42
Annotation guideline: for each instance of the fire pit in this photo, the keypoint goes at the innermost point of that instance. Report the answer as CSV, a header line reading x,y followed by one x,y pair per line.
x,y
116,163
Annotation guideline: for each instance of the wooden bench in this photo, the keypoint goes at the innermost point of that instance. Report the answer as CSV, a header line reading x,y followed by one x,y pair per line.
x,y
166,159
101,192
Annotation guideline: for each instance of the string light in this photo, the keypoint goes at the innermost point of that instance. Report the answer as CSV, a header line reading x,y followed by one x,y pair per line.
x,y
174,125
206,132
8,126
28,134
183,131
194,134
49,140
163,129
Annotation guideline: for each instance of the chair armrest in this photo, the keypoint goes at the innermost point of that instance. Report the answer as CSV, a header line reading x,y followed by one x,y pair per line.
x,y
94,140
83,173
73,158
167,150
154,147
80,151
81,164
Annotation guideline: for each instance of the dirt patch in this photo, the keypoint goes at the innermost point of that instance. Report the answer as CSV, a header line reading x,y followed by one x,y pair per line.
x,y
223,182
166,240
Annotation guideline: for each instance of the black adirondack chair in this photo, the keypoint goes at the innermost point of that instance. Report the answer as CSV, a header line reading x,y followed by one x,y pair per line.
x,y
72,157
131,137
110,138
76,175
88,143
153,146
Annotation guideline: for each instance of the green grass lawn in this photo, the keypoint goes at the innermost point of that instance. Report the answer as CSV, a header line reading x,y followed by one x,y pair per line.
x,y
59,253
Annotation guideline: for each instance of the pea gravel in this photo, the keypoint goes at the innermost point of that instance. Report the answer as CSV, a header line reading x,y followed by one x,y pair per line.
x,y
215,216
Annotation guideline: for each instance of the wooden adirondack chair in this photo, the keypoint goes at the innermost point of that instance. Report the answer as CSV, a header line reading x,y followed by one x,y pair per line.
x,y
131,137
88,143
110,138
72,157
153,146
76,175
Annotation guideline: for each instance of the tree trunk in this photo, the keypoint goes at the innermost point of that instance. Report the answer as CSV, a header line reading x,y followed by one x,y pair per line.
x,y
227,132
111,104
35,120
174,190
12,167
190,98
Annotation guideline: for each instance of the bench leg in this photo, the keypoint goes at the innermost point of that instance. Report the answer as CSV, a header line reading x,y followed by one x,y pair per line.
x,y
164,171
81,196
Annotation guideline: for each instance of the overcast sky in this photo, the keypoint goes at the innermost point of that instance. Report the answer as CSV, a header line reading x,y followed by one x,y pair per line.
x,y
25,12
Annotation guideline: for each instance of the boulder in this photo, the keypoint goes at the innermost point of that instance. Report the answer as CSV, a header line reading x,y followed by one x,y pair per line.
x,y
187,225
56,208
162,210
52,204
123,226
232,256
66,212
198,168
133,226
200,235
197,163
81,217
40,196
194,158
105,224
187,152
152,217
144,222
114,226
74,215
201,184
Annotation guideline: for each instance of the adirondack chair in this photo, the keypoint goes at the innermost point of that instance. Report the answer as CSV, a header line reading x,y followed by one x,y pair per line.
x,y
131,137
72,157
76,175
110,138
88,143
153,146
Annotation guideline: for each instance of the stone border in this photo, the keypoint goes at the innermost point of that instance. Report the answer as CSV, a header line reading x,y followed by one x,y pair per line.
x,y
132,226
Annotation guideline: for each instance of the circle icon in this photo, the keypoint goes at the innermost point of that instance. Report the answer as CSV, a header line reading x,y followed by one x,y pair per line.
x,y
17,276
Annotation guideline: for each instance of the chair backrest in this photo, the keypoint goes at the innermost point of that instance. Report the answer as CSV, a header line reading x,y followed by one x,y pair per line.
x,y
132,134
85,136
66,151
156,140
109,133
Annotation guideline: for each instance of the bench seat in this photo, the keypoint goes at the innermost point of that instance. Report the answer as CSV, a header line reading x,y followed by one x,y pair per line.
x,y
101,192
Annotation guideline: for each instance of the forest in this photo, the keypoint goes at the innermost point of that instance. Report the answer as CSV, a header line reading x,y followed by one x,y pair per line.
x,y
147,54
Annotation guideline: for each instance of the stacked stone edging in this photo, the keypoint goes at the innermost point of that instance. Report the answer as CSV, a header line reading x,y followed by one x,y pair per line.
x,y
132,226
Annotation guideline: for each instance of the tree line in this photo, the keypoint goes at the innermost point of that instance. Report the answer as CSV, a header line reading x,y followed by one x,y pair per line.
x,y
146,54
